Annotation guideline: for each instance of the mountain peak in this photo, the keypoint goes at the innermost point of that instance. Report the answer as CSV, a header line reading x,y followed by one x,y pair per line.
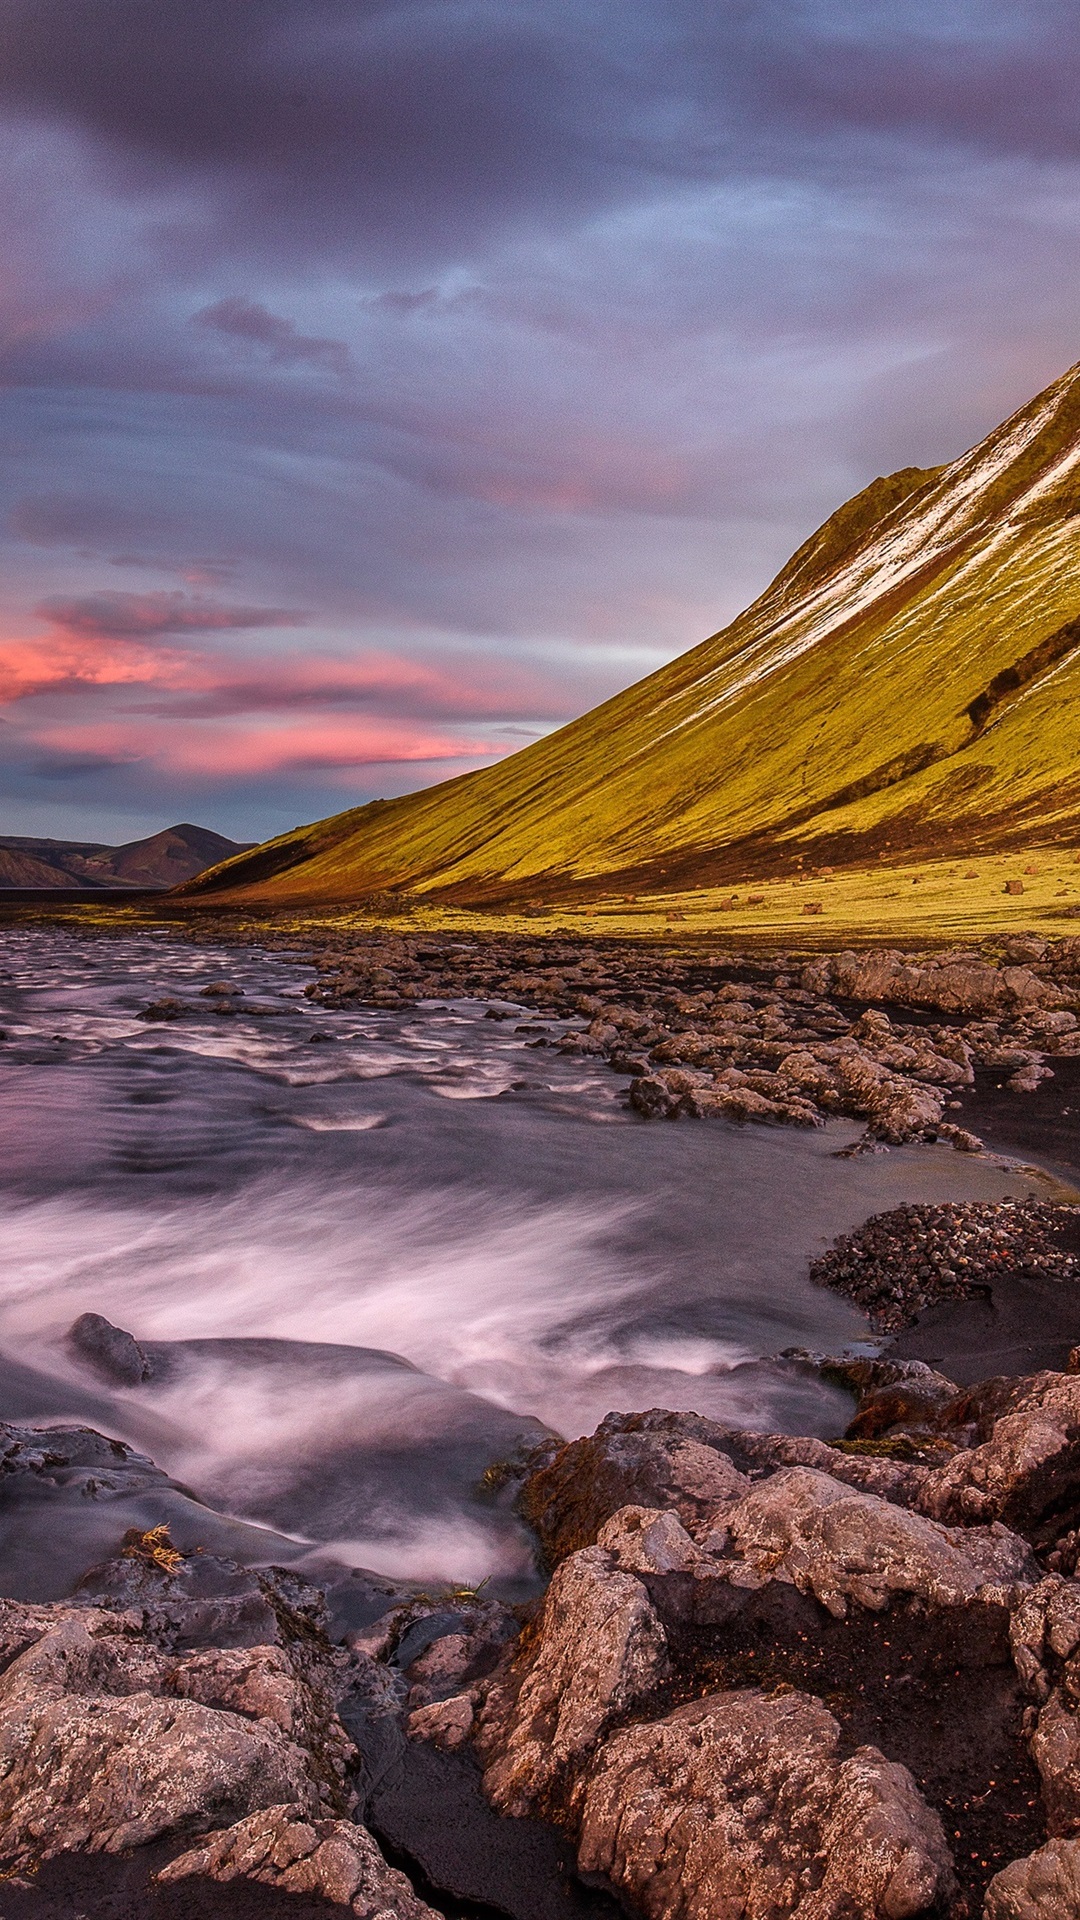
x,y
163,860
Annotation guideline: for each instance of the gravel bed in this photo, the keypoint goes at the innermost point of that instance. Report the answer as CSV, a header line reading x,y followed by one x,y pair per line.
x,y
901,1262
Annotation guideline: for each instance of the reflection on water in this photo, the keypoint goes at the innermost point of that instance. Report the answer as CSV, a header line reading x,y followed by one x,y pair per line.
x,y
366,1188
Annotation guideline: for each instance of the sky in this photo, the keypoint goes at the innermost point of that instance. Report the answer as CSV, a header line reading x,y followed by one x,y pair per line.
x,y
384,383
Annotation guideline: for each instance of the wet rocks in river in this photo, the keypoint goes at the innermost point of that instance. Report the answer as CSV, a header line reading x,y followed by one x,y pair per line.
x,y
114,1354
810,1680
781,1039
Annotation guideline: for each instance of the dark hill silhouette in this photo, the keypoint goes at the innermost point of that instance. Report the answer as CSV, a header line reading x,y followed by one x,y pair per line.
x,y
164,860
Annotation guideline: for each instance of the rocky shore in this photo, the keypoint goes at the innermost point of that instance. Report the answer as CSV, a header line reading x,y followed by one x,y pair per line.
x,y
893,1039
770,1677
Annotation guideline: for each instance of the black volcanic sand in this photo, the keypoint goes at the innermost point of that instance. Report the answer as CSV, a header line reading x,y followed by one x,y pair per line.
x,y
1045,1123
973,1290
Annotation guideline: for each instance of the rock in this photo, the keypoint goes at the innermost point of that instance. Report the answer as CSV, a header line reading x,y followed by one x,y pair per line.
x,y
841,1544
71,1495
953,985
644,1542
262,1684
597,1650
208,1601
904,1395
1026,1470
446,1723
100,1750
897,1109
113,1354
1044,1886
567,1502
1044,1629
282,1847
741,1805
1055,1749
440,1650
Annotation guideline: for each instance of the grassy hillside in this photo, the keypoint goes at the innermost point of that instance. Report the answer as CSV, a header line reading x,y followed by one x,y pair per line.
x,y
906,691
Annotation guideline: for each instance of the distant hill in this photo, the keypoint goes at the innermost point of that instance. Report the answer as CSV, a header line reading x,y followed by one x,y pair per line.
x,y
908,685
176,854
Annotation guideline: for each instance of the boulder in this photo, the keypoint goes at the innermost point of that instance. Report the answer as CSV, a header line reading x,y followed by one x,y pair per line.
x,y
1055,1749
103,1746
282,1847
740,1804
567,1502
960,984
597,1649
839,1544
1025,1469
1044,1886
447,1724
113,1354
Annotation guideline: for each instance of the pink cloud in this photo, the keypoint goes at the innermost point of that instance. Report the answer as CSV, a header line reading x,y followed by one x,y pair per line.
x,y
186,683
244,753
29,667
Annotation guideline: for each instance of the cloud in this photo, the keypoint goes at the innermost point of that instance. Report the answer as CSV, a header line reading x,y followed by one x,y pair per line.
x,y
247,320
251,753
116,615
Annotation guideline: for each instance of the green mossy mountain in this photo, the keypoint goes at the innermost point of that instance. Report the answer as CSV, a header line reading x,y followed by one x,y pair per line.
x,y
908,685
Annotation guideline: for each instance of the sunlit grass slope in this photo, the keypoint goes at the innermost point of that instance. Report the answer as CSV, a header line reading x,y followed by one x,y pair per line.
x,y
907,688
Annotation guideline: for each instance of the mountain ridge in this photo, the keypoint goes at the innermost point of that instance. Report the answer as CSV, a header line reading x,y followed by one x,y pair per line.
x,y
162,860
909,683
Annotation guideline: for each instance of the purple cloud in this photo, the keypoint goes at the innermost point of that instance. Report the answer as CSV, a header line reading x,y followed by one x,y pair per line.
x,y
147,615
247,320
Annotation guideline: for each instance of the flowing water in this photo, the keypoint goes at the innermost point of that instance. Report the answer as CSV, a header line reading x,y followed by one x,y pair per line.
x,y
370,1254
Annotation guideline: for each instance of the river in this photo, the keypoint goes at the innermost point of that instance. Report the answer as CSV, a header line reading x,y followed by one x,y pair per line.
x,y
372,1254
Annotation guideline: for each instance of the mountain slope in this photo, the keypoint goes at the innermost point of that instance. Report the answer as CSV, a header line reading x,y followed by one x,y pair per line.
x,y
910,682
164,860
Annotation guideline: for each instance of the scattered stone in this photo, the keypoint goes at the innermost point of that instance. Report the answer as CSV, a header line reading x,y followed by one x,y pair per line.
x,y
283,1847
770,1040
